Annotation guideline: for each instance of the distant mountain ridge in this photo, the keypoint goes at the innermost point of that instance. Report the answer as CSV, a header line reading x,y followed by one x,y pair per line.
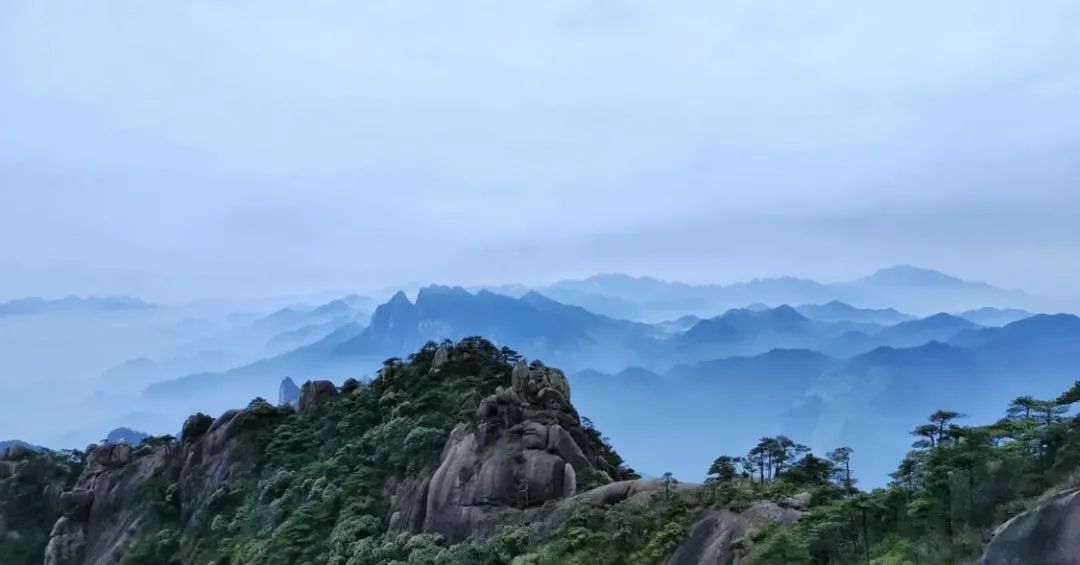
x,y
903,287
35,305
837,311
126,435
532,323
989,316
5,444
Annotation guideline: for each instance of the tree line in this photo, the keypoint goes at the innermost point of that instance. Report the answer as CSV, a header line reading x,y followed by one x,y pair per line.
x,y
947,494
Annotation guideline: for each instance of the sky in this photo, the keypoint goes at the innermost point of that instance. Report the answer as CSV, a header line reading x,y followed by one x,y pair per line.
x,y
198,149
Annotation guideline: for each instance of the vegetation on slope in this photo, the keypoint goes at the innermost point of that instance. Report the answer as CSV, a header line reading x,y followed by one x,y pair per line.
x,y
947,495
30,486
316,486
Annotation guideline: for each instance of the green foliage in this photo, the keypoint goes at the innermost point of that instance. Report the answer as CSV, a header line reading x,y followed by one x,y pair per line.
x,y
778,546
947,494
159,548
26,513
623,534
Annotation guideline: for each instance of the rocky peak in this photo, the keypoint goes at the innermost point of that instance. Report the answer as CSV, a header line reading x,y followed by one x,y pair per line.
x,y
288,392
524,447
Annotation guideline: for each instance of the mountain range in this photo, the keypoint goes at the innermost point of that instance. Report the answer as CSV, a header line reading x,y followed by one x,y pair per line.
x,y
906,288
763,360
571,336
659,416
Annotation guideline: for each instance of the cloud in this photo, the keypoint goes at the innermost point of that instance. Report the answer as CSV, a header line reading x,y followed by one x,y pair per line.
x,y
206,148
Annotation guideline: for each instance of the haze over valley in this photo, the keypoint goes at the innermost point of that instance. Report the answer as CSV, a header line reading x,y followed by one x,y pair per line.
x,y
660,366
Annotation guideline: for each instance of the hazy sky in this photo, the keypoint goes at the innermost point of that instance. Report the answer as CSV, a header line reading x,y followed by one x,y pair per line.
x,y
193,149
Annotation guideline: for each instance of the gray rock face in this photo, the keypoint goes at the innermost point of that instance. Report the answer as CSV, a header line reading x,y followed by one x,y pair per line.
x,y
313,393
410,501
67,543
101,514
517,454
288,393
109,505
712,535
207,465
1048,534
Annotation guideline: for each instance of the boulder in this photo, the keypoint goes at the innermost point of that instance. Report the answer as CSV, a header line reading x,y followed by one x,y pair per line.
x,y
542,477
529,380
1048,533
561,443
464,486
313,393
108,456
569,481
76,503
800,501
